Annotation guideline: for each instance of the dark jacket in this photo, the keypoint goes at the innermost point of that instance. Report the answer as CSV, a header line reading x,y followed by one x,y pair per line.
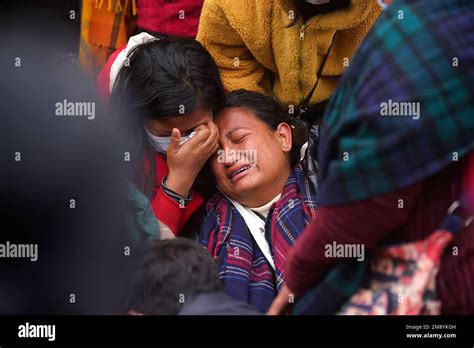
x,y
217,303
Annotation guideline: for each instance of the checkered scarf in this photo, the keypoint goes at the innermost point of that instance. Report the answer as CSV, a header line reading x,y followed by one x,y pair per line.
x,y
246,274
418,51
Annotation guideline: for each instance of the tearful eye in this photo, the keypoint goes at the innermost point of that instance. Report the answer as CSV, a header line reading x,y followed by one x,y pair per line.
x,y
240,139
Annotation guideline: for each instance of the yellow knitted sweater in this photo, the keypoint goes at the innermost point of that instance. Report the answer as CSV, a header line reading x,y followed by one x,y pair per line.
x,y
256,46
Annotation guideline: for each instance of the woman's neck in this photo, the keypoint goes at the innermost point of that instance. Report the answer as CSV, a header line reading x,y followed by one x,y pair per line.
x,y
264,209
268,192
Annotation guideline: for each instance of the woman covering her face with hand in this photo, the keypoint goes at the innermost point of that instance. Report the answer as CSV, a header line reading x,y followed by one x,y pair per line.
x,y
166,91
265,200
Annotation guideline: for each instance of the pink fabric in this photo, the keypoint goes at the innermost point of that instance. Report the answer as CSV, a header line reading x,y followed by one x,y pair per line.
x,y
163,16
402,279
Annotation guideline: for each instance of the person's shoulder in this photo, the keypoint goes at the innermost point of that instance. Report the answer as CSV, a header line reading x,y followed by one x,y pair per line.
x,y
241,6
251,20
217,303
241,12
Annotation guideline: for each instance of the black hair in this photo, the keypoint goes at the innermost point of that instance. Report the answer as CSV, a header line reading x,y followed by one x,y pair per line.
x,y
162,79
272,114
165,75
166,274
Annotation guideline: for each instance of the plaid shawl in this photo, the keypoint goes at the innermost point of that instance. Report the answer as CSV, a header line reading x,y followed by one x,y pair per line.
x,y
246,274
418,51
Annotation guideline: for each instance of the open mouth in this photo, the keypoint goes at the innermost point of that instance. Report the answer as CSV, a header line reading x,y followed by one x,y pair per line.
x,y
238,173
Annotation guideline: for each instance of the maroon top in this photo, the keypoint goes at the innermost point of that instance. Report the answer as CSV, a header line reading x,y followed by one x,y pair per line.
x,y
379,220
170,17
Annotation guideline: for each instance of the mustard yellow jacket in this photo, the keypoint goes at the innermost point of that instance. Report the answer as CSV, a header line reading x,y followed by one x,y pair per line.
x,y
256,46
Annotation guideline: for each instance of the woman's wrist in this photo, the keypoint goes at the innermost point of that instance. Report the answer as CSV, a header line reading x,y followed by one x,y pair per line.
x,y
181,187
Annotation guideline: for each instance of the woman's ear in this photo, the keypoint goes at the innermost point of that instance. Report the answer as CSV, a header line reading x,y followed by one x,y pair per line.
x,y
283,134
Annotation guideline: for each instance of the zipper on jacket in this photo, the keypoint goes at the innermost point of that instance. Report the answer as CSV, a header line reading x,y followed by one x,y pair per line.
x,y
301,61
303,28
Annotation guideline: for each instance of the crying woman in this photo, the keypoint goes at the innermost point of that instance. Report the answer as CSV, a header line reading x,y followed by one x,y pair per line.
x,y
265,200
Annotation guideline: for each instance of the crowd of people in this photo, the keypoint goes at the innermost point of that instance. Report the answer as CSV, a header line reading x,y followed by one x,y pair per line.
x,y
299,156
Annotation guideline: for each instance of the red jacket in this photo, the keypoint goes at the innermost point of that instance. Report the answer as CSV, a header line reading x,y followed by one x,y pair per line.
x,y
166,209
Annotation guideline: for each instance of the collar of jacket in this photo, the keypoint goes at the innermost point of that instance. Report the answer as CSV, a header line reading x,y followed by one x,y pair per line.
x,y
347,18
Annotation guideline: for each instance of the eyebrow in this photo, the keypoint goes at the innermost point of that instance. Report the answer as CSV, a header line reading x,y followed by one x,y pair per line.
x,y
233,130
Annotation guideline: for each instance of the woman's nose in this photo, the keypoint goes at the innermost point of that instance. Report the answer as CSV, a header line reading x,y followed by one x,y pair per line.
x,y
226,156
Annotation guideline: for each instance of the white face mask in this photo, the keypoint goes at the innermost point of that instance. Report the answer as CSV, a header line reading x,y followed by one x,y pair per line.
x,y
161,144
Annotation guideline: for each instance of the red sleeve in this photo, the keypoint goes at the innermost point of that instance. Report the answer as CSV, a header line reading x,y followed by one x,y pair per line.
x,y
168,210
367,222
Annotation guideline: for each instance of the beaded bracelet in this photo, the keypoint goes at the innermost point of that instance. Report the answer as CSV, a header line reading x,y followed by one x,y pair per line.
x,y
183,201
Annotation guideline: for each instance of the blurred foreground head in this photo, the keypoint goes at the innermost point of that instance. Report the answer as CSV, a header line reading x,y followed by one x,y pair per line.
x,y
61,189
